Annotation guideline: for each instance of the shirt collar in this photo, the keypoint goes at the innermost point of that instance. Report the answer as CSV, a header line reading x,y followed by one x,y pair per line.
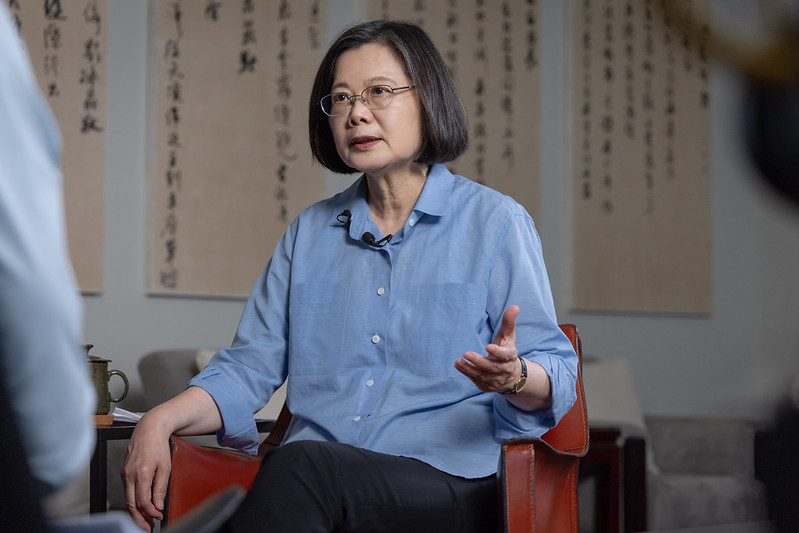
x,y
433,200
436,193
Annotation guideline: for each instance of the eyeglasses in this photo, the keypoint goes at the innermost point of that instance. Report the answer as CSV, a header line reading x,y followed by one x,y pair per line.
x,y
374,97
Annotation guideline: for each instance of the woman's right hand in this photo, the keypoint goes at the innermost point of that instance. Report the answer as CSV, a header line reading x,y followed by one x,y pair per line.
x,y
145,474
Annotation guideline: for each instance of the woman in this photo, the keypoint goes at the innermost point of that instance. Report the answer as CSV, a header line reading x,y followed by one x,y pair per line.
x,y
375,305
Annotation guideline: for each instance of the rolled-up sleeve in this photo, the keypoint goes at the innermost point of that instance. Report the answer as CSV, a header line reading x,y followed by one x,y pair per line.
x,y
513,422
519,277
241,379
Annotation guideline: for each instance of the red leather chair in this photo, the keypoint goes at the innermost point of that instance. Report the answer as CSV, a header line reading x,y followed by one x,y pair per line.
x,y
537,478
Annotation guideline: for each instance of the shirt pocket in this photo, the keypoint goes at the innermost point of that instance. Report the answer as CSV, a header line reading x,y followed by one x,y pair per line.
x,y
450,317
317,327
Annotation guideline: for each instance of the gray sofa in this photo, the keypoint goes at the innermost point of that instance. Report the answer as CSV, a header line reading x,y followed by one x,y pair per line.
x,y
164,374
705,473
695,471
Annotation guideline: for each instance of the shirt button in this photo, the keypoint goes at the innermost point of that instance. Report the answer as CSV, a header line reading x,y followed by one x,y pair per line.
x,y
356,418
411,222
375,339
381,291
370,383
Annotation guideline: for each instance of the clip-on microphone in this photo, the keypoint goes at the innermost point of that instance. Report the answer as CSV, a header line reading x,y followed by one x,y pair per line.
x,y
369,239
345,217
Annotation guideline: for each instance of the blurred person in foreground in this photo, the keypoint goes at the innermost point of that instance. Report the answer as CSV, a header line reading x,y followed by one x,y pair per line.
x,y
48,396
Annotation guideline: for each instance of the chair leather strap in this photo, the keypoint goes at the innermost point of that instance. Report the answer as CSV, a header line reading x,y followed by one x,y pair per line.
x,y
275,436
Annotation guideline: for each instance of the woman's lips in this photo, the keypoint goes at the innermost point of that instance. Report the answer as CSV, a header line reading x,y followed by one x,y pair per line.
x,y
364,142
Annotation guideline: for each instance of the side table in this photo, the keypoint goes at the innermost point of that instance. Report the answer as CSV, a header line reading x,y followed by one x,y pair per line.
x,y
620,472
98,468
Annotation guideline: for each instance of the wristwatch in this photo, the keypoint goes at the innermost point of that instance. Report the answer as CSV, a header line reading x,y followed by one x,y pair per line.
x,y
519,385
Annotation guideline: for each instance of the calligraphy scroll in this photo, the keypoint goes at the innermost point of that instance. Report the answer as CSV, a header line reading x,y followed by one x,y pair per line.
x,y
231,166
641,161
491,49
66,41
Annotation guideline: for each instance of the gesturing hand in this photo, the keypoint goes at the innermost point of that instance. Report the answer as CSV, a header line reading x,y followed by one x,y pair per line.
x,y
501,368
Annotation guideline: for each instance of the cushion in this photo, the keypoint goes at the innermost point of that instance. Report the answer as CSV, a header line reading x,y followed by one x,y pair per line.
x,y
202,357
612,401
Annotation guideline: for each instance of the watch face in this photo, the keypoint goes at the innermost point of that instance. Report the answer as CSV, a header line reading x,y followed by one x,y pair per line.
x,y
517,387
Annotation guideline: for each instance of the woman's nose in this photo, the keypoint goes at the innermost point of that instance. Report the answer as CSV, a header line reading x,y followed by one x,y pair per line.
x,y
358,109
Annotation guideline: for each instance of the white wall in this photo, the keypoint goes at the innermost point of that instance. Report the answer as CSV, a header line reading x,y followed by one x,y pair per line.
x,y
738,360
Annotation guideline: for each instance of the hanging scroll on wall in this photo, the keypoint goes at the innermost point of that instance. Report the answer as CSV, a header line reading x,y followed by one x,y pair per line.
x,y
66,41
641,161
491,49
231,166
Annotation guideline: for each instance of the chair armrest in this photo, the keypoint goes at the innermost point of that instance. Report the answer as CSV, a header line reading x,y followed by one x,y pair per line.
x,y
537,488
199,472
537,479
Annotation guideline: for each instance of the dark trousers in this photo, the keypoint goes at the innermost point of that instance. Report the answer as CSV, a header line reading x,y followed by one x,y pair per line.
x,y
324,487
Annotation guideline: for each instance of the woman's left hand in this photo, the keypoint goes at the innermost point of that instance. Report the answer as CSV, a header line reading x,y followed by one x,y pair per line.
x,y
500,370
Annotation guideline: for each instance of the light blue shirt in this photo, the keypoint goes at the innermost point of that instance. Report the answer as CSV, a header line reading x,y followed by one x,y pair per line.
x,y
41,361
368,336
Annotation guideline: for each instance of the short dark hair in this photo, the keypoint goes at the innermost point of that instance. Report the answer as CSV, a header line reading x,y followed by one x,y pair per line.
x,y
445,134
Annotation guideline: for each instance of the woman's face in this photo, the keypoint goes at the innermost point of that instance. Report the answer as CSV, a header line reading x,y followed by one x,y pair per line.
x,y
376,141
